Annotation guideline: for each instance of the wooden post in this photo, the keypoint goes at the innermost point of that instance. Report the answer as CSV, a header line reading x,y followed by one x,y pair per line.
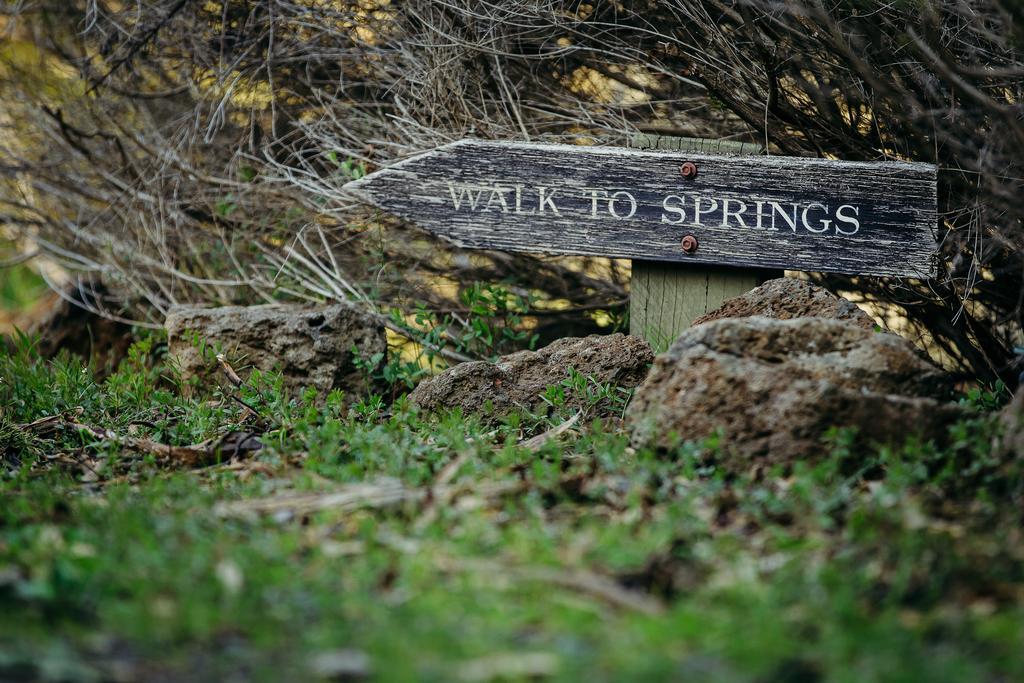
x,y
665,298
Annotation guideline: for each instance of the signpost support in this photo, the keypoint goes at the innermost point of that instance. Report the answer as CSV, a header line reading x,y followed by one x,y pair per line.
x,y
666,297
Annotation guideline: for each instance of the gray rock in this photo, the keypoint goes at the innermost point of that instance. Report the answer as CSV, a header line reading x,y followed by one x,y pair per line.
x,y
310,345
774,387
788,298
518,380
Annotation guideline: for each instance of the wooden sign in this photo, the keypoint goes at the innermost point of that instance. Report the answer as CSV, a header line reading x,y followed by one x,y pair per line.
x,y
742,211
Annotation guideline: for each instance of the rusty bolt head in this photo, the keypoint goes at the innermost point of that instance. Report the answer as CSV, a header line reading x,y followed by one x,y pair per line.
x,y
689,244
688,170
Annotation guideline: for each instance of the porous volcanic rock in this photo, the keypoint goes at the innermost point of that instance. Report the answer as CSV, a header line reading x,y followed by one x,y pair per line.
x,y
788,298
518,380
774,387
310,345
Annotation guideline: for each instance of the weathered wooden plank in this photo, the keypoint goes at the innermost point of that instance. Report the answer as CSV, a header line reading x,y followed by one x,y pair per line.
x,y
703,145
756,212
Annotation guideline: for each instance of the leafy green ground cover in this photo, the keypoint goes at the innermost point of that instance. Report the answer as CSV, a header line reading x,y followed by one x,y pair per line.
x,y
374,542
19,287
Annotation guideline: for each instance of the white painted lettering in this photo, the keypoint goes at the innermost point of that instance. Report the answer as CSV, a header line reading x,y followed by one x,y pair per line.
x,y
777,210
499,193
816,218
593,200
519,202
760,216
546,199
614,200
697,211
841,218
825,223
737,213
675,207
465,194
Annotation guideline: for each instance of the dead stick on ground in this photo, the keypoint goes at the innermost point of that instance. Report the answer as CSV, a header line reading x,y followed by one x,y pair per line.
x,y
535,443
375,495
237,381
596,585
440,493
228,370
187,454
194,455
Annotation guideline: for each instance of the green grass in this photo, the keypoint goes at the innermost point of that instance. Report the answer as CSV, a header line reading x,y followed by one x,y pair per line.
x,y
598,562
19,286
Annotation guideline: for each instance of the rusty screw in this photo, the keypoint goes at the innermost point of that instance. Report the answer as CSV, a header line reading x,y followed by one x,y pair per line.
x,y
688,170
689,244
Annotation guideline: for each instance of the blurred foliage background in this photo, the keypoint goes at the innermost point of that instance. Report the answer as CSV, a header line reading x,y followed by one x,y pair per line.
x,y
187,150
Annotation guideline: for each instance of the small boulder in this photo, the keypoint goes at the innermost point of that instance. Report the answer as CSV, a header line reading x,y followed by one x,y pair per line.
x,y
519,379
774,387
310,345
787,298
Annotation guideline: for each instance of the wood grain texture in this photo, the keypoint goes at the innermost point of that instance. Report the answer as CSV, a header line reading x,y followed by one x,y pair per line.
x,y
704,145
547,198
665,298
